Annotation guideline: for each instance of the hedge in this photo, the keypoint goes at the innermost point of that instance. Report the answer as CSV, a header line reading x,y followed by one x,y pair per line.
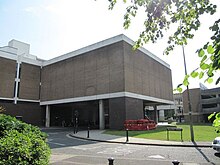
x,y
22,143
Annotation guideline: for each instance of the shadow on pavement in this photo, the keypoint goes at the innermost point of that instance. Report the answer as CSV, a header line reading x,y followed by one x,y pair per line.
x,y
217,154
202,153
58,138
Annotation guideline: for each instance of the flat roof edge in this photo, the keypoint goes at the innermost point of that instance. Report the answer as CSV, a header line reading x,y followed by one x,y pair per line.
x,y
8,55
85,49
106,42
15,57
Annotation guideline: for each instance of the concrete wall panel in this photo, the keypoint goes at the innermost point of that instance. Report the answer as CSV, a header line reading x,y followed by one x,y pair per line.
x,y
29,82
151,78
113,68
7,77
97,72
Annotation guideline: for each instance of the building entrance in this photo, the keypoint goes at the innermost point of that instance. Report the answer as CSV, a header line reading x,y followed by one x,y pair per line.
x,y
83,114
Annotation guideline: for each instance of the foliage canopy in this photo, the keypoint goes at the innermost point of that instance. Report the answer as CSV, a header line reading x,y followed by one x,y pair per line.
x,y
186,14
216,120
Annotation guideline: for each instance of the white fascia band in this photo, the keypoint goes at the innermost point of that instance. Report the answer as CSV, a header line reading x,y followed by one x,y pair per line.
x,y
107,96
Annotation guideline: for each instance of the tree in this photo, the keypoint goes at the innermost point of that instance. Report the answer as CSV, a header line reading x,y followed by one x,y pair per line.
x,y
216,121
185,15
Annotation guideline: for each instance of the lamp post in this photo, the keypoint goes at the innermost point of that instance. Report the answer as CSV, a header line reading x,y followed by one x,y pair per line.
x,y
188,96
187,88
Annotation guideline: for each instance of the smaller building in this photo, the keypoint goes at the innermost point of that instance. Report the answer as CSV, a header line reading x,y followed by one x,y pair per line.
x,y
203,102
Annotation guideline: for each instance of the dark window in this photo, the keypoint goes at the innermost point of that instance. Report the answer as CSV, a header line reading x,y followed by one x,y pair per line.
x,y
209,105
40,83
19,76
14,88
16,70
18,89
208,96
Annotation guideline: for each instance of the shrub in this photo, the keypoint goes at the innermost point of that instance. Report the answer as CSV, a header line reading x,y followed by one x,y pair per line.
x,y
11,123
22,143
18,148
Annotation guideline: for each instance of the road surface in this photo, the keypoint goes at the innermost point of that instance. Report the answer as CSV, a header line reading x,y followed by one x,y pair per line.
x,y
67,150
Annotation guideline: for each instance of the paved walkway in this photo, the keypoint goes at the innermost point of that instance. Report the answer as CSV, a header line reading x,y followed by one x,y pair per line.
x,y
98,135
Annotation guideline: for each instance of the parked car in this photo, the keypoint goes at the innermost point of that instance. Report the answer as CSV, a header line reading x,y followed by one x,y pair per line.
x,y
216,144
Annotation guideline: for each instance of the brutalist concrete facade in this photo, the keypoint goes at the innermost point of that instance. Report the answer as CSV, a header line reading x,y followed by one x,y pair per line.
x,y
104,84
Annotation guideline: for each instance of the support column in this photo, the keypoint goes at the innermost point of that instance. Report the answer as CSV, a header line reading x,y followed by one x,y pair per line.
x,y
47,123
156,113
161,115
101,115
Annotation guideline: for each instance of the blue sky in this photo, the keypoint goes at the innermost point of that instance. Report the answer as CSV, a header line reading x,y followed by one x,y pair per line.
x,y
56,27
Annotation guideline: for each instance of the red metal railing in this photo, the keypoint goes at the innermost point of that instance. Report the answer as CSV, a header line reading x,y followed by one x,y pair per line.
x,y
140,125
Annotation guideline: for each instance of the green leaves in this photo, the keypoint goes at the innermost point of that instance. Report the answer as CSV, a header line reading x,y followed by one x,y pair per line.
x,y
201,52
194,74
201,74
209,80
204,66
179,89
211,116
161,14
185,81
216,121
22,143
210,49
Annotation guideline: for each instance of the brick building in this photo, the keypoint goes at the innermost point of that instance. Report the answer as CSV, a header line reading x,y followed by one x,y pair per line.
x,y
102,84
203,102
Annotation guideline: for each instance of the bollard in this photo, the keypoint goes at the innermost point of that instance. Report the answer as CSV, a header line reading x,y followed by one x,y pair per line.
x,y
88,133
74,129
175,162
111,161
127,135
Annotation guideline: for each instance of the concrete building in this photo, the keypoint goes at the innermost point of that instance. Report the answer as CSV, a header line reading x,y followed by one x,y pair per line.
x,y
102,84
203,102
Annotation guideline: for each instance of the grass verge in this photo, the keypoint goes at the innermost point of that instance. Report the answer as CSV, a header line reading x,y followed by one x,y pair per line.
x,y
201,133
